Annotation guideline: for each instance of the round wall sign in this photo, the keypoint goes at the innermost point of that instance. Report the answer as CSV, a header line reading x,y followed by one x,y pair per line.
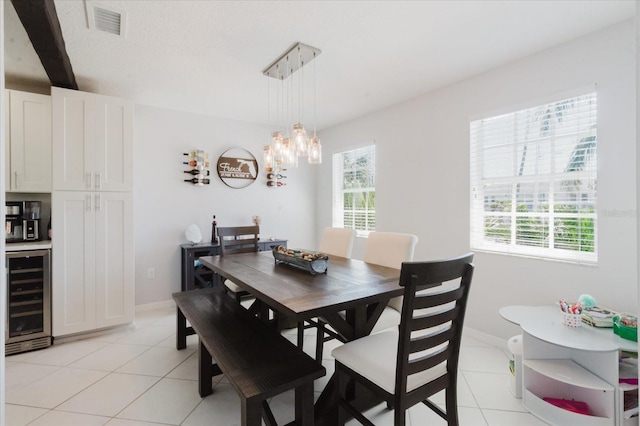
x,y
237,168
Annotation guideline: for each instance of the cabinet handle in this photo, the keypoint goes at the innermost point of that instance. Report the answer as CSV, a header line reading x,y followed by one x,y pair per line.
x,y
98,180
98,207
88,202
15,178
88,180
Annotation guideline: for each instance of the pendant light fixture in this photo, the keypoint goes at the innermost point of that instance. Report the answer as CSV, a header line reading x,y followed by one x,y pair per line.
x,y
315,148
291,141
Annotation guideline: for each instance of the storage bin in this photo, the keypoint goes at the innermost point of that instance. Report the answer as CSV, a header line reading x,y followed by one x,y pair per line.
x,y
515,365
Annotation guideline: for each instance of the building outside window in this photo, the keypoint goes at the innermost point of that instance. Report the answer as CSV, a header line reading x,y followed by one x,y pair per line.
x,y
534,181
354,192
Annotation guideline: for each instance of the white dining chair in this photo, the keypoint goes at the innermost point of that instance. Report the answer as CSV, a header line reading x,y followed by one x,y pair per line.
x,y
388,249
335,242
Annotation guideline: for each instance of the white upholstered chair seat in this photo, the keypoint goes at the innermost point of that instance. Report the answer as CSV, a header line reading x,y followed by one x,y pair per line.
x,y
232,287
375,357
389,318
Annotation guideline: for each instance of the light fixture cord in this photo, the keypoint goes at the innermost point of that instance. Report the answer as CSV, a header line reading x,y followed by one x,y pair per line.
x,y
278,88
300,85
315,100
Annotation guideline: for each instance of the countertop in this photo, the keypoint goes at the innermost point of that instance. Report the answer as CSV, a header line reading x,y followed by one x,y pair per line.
x,y
28,245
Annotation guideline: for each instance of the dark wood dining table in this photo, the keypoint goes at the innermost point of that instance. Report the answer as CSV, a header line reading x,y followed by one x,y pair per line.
x,y
361,290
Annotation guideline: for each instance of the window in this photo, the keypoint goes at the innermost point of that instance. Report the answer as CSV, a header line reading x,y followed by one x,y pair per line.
x,y
534,181
354,191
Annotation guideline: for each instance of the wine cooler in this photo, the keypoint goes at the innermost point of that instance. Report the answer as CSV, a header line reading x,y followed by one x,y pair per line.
x,y
28,325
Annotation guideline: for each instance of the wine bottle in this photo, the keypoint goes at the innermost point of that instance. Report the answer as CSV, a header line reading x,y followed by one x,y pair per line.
x,y
198,181
272,176
214,225
194,163
197,172
195,154
274,183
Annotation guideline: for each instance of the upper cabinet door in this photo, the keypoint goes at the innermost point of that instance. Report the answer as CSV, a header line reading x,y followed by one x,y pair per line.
x,y
73,146
113,144
93,142
29,142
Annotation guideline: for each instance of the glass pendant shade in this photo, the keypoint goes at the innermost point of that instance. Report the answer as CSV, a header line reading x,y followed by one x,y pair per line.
x,y
300,138
315,151
276,146
289,153
268,156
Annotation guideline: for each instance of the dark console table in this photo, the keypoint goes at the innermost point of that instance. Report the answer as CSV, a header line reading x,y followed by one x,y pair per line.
x,y
196,275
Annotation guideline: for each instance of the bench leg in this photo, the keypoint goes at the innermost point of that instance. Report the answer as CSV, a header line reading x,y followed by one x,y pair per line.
x,y
304,405
301,335
251,412
205,371
267,415
181,330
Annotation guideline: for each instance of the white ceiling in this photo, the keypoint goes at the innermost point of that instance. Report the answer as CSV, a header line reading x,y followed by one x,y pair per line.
x,y
207,56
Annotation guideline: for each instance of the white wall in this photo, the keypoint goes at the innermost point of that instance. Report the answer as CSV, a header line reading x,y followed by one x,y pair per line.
x,y
164,205
422,174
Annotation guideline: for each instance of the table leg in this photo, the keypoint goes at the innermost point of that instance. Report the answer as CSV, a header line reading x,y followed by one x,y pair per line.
x,y
181,330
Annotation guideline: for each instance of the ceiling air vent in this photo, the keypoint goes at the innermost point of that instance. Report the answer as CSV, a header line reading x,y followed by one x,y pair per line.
x,y
102,18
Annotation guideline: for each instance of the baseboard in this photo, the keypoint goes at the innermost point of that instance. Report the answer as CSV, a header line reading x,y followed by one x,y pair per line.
x,y
94,333
169,303
486,338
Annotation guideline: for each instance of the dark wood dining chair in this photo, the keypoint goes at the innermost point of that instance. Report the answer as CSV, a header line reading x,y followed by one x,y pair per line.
x,y
409,365
233,240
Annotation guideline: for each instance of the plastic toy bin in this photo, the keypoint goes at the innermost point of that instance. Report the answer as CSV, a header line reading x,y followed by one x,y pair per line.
x,y
515,365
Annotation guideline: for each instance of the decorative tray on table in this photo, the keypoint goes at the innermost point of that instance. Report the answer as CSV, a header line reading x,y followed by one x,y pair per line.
x,y
311,261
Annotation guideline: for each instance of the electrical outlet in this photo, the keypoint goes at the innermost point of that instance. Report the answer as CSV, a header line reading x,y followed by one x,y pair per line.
x,y
151,273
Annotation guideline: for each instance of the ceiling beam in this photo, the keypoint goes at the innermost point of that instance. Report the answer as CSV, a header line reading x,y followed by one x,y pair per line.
x,y
40,20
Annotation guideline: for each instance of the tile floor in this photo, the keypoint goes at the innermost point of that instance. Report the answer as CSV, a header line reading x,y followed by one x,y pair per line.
x,y
136,377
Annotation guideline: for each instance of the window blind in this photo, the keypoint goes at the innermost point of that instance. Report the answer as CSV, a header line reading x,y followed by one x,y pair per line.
x,y
534,181
354,189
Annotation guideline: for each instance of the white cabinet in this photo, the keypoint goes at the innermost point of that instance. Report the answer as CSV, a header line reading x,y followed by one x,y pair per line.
x,y
572,364
93,267
92,213
28,142
92,141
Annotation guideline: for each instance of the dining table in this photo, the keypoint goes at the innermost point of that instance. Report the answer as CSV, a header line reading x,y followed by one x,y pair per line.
x,y
350,296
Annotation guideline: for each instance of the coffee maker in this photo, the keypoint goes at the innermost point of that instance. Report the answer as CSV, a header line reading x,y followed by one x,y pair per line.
x,y
31,220
22,221
13,222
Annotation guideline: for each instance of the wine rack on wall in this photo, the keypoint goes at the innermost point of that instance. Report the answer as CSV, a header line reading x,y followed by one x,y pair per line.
x,y
275,177
198,162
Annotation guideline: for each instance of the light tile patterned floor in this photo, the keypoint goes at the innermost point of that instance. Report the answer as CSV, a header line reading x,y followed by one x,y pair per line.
x,y
136,377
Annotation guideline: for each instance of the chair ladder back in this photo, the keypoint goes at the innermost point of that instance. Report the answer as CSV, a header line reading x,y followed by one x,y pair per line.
x,y
238,239
437,299
421,364
434,319
423,343
440,342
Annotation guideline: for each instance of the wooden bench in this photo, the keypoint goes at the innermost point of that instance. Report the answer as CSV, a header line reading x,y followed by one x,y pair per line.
x,y
258,361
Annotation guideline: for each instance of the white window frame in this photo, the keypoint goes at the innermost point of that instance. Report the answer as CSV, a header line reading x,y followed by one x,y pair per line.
x,y
500,136
339,190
